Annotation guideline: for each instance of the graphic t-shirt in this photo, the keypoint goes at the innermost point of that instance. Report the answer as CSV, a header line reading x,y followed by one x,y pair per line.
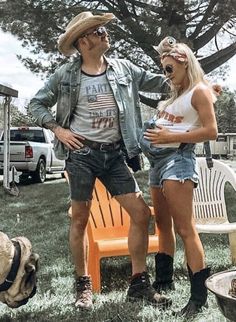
x,y
96,114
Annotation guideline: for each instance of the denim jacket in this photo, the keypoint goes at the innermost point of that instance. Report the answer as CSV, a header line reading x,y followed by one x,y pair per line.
x,y
125,79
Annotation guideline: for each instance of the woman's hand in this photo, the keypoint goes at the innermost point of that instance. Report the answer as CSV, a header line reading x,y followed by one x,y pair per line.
x,y
160,135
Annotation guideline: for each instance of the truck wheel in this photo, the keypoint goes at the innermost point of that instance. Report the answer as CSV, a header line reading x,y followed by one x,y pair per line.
x,y
39,175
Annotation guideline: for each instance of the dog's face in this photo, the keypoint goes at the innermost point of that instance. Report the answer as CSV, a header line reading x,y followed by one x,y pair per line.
x,y
24,285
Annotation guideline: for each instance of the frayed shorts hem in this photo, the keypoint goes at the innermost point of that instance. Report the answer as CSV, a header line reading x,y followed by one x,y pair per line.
x,y
195,182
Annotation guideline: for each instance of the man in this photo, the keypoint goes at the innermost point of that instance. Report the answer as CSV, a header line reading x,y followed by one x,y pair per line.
x,y
97,114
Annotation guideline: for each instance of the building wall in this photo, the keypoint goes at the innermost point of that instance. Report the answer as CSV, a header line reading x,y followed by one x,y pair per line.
x,y
224,146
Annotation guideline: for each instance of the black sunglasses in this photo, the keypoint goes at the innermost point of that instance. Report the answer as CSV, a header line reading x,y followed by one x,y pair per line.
x,y
100,31
168,69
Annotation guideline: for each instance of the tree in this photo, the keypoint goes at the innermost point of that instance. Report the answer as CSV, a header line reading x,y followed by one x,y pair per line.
x,y
226,111
17,118
20,119
199,23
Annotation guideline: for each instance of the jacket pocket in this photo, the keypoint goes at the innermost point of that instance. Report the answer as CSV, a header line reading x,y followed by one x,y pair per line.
x,y
64,88
124,80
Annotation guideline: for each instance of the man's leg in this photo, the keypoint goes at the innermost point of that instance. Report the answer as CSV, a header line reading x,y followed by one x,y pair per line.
x,y
122,185
78,235
140,287
138,232
79,250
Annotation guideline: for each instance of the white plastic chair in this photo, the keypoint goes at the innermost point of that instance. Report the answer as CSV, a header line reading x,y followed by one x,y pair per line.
x,y
209,201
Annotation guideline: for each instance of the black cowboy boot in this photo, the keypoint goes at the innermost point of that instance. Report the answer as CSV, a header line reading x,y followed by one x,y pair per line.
x,y
164,273
198,297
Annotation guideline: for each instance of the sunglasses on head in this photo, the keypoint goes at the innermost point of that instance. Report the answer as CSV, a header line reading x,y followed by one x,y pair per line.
x,y
168,69
100,31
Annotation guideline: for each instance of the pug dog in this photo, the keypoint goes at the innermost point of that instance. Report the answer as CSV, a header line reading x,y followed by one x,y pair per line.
x,y
18,267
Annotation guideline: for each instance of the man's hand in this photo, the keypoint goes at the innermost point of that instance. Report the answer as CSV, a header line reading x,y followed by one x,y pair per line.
x,y
72,140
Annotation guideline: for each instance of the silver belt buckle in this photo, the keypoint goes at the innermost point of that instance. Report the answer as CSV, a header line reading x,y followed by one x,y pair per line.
x,y
102,146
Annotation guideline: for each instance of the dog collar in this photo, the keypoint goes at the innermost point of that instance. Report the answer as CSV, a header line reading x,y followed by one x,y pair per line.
x,y
14,268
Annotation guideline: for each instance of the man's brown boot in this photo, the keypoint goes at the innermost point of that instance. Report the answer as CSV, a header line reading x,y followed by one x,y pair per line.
x,y
84,295
141,289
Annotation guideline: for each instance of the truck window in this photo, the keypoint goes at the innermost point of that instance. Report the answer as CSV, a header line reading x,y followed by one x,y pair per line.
x,y
27,135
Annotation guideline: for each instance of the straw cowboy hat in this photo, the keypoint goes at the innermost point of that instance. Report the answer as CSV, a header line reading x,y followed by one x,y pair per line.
x,y
77,27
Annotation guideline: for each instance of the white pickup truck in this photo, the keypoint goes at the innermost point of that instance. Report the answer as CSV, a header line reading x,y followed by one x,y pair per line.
x,y
32,153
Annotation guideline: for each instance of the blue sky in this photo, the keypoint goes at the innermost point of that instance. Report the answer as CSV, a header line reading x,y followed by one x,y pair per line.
x,y
14,74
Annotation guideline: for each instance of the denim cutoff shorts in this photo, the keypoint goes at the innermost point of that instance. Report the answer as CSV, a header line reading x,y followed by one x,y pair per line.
x,y
170,163
86,164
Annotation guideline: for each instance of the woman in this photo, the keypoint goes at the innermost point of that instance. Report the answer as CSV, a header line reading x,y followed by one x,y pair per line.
x,y
186,118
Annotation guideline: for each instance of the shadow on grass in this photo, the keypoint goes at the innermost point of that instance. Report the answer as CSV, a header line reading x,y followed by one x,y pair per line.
x,y
115,273
113,309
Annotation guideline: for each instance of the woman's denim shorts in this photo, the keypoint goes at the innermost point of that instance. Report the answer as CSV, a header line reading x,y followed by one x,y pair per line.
x,y
177,164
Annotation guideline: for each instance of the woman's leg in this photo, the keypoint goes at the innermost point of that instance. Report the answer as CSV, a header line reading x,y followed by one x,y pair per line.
x,y
164,268
164,222
179,198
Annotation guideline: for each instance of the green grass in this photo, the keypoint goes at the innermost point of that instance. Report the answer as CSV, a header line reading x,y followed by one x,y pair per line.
x,y
39,213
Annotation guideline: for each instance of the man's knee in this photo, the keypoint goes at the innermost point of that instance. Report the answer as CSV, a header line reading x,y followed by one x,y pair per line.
x,y
80,214
141,215
79,223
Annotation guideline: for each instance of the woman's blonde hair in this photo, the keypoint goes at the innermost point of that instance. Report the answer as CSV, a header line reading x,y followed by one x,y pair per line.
x,y
183,55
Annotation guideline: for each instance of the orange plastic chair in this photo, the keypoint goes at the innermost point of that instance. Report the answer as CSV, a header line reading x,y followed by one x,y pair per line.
x,y
108,232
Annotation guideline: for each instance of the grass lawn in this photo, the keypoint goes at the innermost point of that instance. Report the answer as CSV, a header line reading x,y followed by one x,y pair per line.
x,y
39,213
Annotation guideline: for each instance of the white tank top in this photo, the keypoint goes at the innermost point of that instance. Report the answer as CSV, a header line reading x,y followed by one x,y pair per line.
x,y
180,116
